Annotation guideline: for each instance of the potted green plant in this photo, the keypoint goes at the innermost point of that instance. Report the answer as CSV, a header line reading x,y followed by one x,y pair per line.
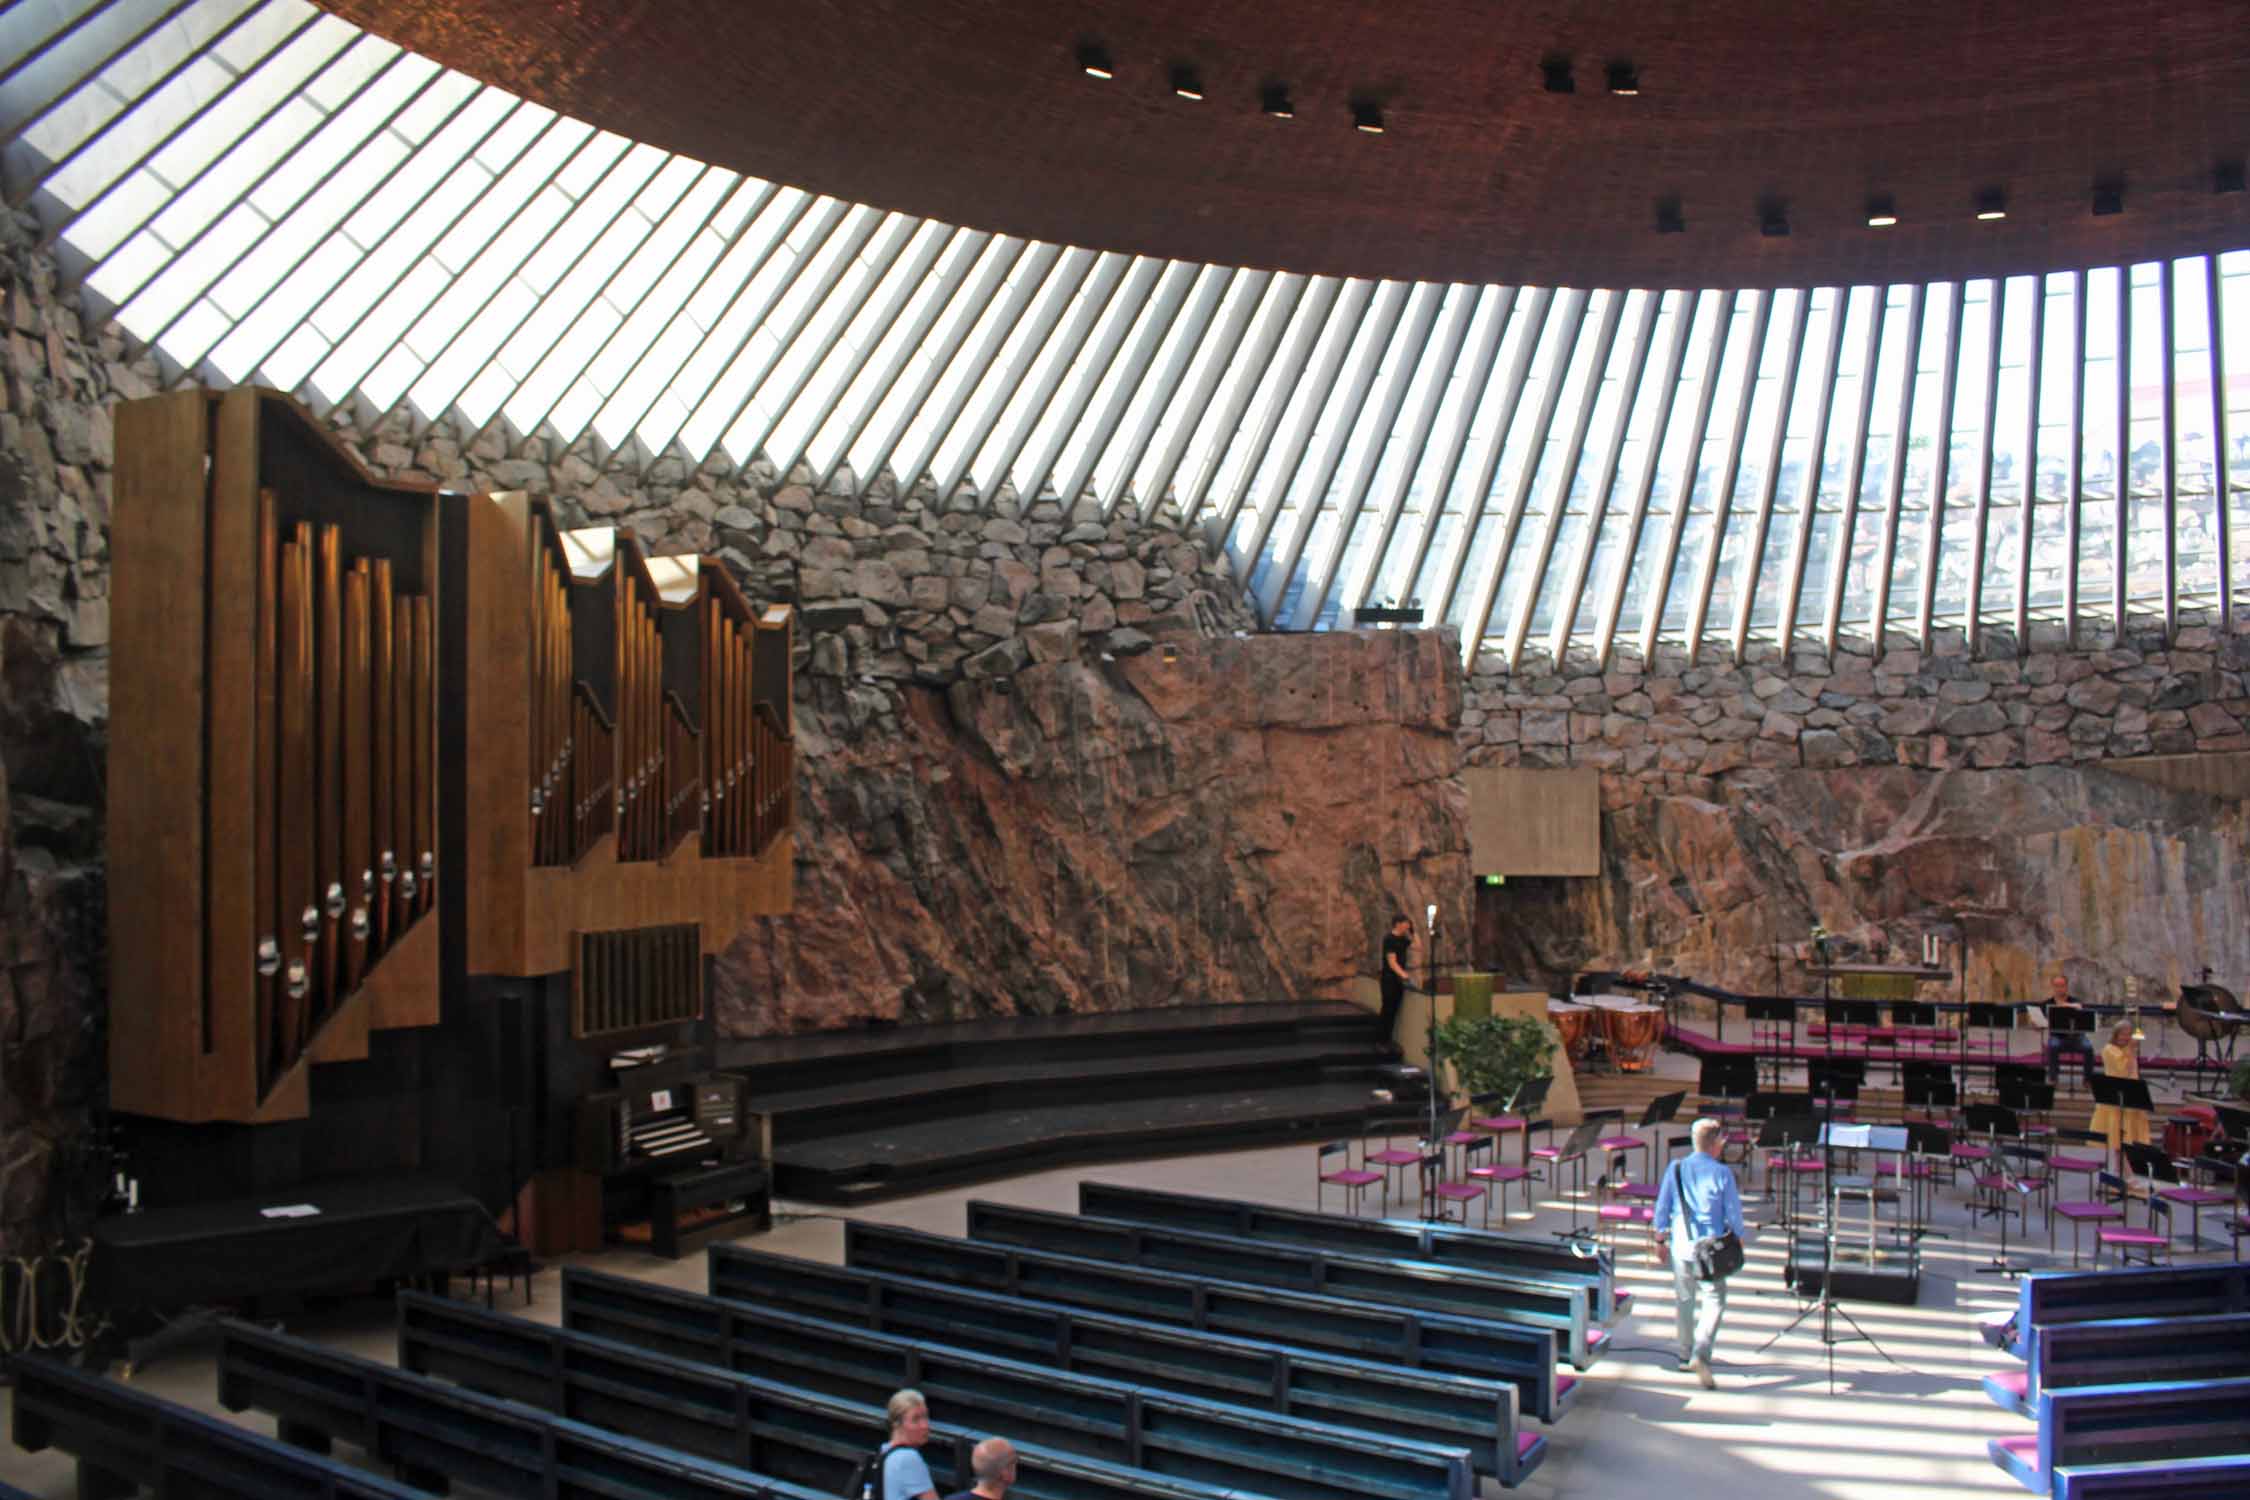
x,y
1496,1054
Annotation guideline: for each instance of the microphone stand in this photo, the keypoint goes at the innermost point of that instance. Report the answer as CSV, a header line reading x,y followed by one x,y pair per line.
x,y
1825,1304
1430,1134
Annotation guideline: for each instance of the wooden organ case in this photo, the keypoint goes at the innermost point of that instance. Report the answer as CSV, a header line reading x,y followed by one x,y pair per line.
x,y
273,802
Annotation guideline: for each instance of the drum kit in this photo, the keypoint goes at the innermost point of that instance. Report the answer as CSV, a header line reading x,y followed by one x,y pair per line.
x,y
2212,1015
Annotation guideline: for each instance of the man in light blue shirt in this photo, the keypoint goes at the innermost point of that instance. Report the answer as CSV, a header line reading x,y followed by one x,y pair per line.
x,y
1698,1199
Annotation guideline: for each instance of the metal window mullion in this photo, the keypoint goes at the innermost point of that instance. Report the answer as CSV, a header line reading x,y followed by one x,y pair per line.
x,y
1762,525
1808,511
127,106
1511,521
1084,305
1706,396
1566,472
55,38
1165,388
1037,263
1249,372
1974,599
1668,393
1393,504
2122,480
1840,562
1730,468
186,248
974,289
1941,473
1488,468
407,266
501,283
837,250
912,277
765,193
2030,464
1142,284
1052,292
2072,523
626,314
54,232
1312,318
1421,321
1636,369
337,231
878,266
2168,469
1388,311
88,74
1895,502
1482,358
1234,329
2222,489
1164,309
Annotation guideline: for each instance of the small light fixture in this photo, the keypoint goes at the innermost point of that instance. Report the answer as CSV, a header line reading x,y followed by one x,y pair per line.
x,y
2226,177
1992,204
1556,73
1093,61
1274,100
1668,217
1624,80
1186,82
1170,654
1367,117
1773,221
1882,213
2109,198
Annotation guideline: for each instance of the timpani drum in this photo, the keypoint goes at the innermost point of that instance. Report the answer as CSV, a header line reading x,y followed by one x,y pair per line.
x,y
1632,1032
1574,1023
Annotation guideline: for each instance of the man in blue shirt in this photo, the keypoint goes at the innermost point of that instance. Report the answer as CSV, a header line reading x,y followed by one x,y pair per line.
x,y
1698,1199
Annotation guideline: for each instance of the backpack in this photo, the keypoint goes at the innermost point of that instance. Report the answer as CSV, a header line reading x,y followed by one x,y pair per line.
x,y
867,1479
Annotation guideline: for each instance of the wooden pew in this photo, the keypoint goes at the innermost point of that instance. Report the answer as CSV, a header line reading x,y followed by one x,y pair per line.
x,y
1394,1336
1452,1289
1543,1259
126,1440
2132,1424
2125,1351
790,1445
2142,1292
1139,1428
2180,1479
759,1339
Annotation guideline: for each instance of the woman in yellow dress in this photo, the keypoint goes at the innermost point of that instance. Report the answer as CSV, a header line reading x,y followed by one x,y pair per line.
x,y
2121,1059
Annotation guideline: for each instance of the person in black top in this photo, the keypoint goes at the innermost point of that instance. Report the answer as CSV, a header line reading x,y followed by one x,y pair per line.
x,y
2061,1043
993,1461
1394,976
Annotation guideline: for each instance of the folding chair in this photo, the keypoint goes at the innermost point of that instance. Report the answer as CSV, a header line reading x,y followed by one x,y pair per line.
x,y
2098,1210
2128,1239
1355,1181
2160,1168
1437,1192
1521,1111
1498,1173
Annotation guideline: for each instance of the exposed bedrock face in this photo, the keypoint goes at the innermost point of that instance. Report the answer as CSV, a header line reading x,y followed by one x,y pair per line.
x,y
1236,825
2049,866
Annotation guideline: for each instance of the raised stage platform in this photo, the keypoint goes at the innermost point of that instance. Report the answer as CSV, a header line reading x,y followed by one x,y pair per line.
x,y
863,1115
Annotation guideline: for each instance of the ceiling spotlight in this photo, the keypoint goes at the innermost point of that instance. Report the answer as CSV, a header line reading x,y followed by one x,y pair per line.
x,y
1624,79
2226,177
1881,212
1668,218
1274,100
1773,221
1992,204
1186,82
2109,198
1093,60
1556,71
1367,116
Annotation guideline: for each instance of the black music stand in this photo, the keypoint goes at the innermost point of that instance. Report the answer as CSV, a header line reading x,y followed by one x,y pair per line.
x,y
1580,1141
1983,1017
1934,1142
1770,1011
2071,1020
1728,1076
2121,1093
1789,1124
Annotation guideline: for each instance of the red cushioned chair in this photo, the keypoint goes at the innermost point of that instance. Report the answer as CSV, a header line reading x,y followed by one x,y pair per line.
x,y
1480,1105
1498,1174
2148,1241
2100,1209
1333,1167
1393,1160
2159,1168
1518,1116
2063,1161
1442,1194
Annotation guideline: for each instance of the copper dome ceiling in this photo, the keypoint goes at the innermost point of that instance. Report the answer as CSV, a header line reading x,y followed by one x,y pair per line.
x,y
977,112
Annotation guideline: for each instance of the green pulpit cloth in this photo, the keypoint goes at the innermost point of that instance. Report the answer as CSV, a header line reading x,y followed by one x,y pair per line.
x,y
1472,994
1877,986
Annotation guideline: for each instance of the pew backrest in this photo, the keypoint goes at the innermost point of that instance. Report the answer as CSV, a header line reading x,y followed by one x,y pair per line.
x,y
2135,1351
2141,1292
2164,1479
2092,1425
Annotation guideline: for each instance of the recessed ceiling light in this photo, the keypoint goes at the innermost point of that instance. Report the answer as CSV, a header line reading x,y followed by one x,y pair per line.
x,y
2109,199
1274,100
1367,116
1992,204
1669,219
1556,72
1624,79
1881,213
1186,82
1093,61
1773,222
2226,177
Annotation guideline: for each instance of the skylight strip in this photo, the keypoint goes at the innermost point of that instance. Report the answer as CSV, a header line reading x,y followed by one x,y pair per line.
x,y
1124,308
1839,562
990,260
1022,274
80,78
1041,373
1973,604
1630,542
1730,465
54,39
1191,334
1132,387
2222,486
1573,595
1707,393
1808,513
1485,597
1532,326
2122,484
1879,617
1023,338
1565,478
1307,323
1298,404
1391,508
2169,456
1753,559
1279,301
1476,381
2077,459
1941,464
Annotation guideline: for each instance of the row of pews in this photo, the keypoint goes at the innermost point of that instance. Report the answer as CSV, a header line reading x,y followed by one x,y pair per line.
x,y
2137,1381
1285,1368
